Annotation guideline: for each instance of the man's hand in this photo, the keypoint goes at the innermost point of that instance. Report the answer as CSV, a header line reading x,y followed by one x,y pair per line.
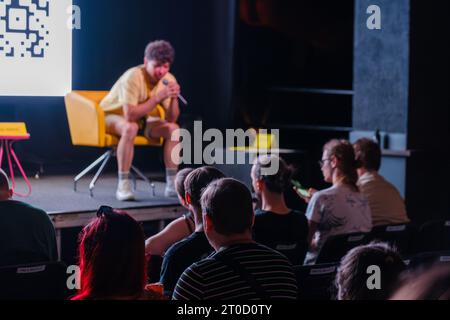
x,y
172,90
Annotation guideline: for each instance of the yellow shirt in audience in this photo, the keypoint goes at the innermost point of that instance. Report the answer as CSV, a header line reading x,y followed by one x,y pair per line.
x,y
385,202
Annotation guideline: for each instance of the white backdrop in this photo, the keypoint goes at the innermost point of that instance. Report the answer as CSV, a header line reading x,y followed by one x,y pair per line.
x,y
35,48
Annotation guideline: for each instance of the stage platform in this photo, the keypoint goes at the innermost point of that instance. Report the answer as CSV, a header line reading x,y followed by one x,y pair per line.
x,y
67,208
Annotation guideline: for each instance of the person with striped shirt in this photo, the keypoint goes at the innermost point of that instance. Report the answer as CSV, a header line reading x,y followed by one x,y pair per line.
x,y
239,268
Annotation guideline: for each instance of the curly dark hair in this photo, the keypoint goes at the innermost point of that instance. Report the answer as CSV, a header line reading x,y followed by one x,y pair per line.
x,y
161,51
351,277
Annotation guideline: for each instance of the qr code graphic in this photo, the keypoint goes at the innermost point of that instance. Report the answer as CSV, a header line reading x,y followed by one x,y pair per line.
x,y
24,28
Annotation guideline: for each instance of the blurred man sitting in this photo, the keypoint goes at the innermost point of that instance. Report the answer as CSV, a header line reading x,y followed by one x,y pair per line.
x,y
26,233
385,202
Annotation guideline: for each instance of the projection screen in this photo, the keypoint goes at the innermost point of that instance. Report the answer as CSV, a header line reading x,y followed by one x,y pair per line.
x,y
35,47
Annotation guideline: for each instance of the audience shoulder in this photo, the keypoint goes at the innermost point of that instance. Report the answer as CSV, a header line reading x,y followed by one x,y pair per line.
x,y
32,209
327,191
317,196
174,248
199,267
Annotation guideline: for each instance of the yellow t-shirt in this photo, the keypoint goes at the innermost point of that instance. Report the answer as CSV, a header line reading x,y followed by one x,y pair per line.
x,y
133,88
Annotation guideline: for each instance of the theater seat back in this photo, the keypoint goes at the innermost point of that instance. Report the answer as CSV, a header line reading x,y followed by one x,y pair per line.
x,y
335,247
433,236
424,261
39,281
316,282
398,235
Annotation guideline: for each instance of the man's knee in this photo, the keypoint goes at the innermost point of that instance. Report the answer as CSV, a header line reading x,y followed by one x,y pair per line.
x,y
173,127
173,132
130,130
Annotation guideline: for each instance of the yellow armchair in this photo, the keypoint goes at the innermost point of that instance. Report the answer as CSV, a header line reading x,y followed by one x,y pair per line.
x,y
87,128
87,121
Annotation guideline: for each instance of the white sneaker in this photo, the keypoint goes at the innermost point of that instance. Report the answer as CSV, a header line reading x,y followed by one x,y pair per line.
x,y
170,192
124,191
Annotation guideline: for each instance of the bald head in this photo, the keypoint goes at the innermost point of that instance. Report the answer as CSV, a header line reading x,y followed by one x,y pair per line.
x,y
5,190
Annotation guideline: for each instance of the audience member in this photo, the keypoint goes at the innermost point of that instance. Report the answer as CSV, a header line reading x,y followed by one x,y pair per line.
x,y
112,259
432,284
341,208
352,279
240,268
276,225
385,202
27,234
196,246
176,230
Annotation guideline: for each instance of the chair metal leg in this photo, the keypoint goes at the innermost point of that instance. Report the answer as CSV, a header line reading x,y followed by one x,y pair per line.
x,y
103,161
133,178
89,168
143,177
99,172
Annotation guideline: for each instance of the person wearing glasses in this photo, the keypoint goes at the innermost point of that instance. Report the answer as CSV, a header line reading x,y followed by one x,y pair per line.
x,y
112,259
340,209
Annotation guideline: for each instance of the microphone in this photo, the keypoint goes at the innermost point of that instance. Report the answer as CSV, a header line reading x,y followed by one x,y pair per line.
x,y
166,82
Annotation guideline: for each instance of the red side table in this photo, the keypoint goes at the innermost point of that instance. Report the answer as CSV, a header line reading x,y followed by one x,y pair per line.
x,y
6,143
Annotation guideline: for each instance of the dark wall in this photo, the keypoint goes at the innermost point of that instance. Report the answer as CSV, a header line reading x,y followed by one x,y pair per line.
x,y
286,53
293,44
428,120
112,39
428,124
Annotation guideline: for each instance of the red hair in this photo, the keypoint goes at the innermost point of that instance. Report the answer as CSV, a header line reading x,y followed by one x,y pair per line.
x,y
112,257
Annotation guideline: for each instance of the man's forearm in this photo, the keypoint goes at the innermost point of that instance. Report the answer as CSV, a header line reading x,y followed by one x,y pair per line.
x,y
173,112
134,113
